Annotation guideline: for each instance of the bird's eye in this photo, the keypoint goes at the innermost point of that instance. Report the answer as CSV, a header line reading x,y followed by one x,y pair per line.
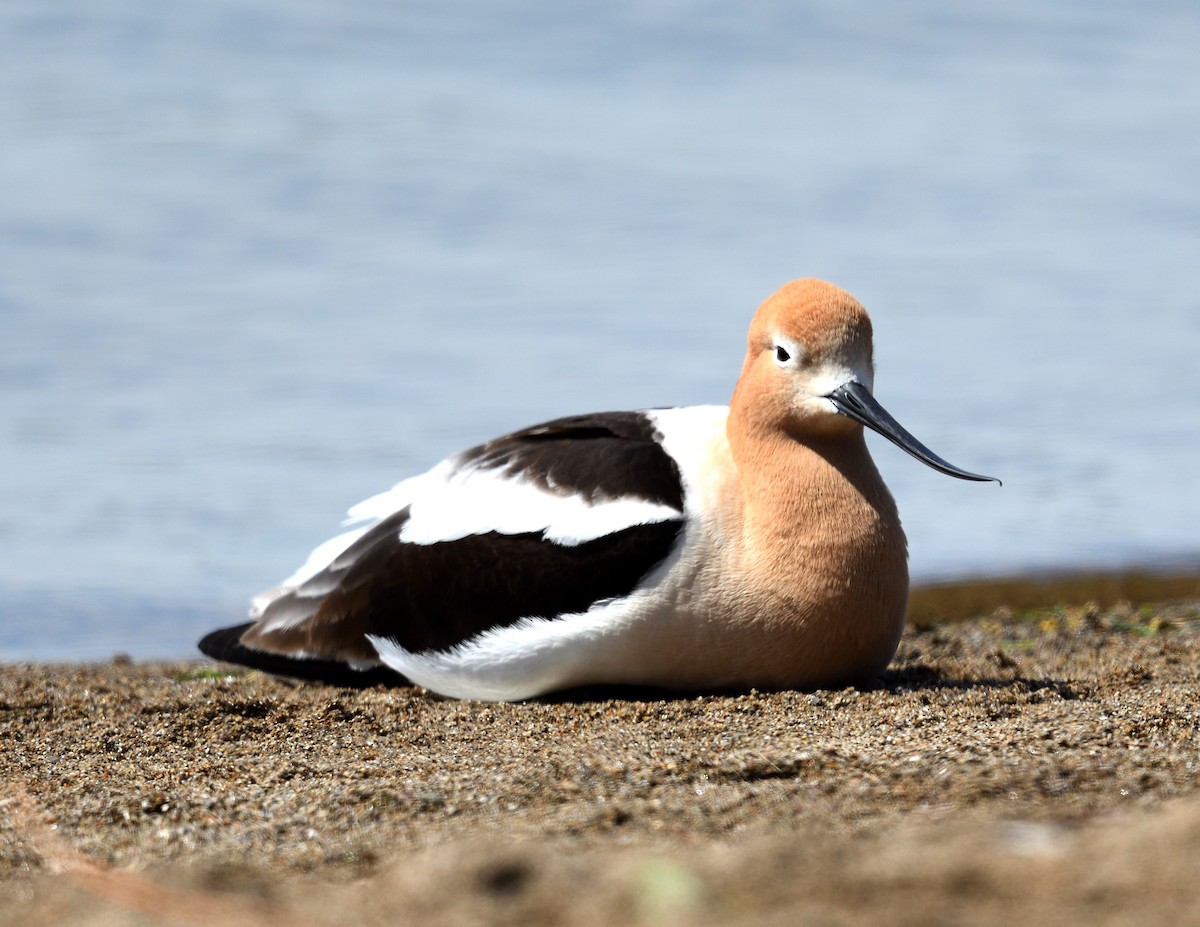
x,y
781,354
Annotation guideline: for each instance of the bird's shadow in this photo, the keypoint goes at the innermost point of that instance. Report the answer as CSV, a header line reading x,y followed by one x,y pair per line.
x,y
908,679
918,677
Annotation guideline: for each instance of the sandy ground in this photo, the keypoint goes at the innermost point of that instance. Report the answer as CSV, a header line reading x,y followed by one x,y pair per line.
x,y
1042,767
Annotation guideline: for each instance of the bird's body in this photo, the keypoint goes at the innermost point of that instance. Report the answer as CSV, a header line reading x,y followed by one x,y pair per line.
x,y
704,547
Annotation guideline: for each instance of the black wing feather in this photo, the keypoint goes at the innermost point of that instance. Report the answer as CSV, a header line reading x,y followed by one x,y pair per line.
x,y
609,455
225,645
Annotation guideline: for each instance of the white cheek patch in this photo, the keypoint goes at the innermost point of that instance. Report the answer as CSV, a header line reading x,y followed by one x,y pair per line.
x,y
829,377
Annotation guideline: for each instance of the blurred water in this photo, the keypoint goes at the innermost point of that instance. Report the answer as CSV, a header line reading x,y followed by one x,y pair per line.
x,y
260,260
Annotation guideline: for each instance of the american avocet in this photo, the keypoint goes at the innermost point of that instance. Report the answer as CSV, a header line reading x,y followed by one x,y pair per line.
x,y
705,547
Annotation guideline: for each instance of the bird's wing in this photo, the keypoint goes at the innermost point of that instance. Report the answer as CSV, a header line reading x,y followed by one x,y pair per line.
x,y
542,522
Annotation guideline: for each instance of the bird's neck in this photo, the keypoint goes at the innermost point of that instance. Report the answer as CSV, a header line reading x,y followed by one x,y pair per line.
x,y
803,494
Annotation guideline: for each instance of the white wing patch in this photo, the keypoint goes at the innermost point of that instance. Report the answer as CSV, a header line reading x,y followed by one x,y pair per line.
x,y
523,660
452,501
694,437
538,655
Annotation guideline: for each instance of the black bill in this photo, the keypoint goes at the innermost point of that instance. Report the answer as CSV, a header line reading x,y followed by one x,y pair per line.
x,y
855,401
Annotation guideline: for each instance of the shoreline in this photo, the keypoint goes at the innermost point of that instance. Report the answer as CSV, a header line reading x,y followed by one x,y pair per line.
x,y
1032,762
955,599
930,602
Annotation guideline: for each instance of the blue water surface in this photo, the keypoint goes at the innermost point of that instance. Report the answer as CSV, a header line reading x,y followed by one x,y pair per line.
x,y
260,260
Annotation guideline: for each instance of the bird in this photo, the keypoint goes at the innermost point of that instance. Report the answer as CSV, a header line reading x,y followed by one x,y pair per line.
x,y
696,548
